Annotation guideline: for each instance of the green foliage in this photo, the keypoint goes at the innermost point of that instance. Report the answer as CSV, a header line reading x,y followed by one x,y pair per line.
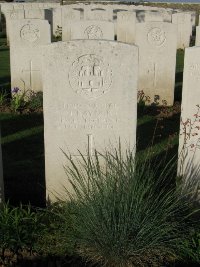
x,y
190,247
58,33
54,239
3,98
35,101
125,213
26,100
18,227
18,101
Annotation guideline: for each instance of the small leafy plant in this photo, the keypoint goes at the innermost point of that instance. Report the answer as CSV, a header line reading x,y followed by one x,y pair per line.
x,y
18,100
3,98
35,101
58,33
19,228
26,100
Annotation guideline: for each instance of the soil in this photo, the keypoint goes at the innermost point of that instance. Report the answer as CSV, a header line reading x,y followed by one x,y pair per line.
x,y
27,259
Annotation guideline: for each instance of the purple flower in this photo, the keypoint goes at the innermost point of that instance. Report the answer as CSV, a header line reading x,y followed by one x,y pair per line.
x,y
15,90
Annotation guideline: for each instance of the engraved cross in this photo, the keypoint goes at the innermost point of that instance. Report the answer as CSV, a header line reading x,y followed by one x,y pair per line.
x,y
155,74
90,144
89,148
30,79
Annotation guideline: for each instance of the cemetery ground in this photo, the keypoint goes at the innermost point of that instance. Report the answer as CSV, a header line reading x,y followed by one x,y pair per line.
x,y
45,236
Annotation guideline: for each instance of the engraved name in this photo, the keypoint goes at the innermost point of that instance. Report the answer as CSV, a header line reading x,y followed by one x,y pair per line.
x,y
86,116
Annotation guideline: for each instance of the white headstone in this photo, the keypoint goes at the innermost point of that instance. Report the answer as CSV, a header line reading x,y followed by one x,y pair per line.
x,y
87,103
197,42
26,39
184,27
153,16
12,15
126,21
157,60
68,16
35,13
98,14
92,29
57,20
193,19
18,6
189,139
1,174
46,14
167,15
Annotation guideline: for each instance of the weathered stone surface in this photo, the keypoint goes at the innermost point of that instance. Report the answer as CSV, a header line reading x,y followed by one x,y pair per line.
x,y
184,28
1,174
87,103
92,29
157,60
126,21
26,39
189,139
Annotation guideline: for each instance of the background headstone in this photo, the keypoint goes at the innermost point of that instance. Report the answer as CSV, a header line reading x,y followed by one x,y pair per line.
x,y
68,16
57,20
90,29
126,21
184,29
26,39
197,42
10,16
153,16
98,14
157,60
90,101
43,14
189,139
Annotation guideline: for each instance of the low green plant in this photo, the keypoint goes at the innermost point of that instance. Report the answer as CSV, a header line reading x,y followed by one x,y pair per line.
x,y
142,100
18,227
3,98
190,247
18,100
124,211
58,33
54,239
35,101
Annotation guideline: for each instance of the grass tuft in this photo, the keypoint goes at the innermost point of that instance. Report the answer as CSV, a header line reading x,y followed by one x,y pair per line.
x,y
124,211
